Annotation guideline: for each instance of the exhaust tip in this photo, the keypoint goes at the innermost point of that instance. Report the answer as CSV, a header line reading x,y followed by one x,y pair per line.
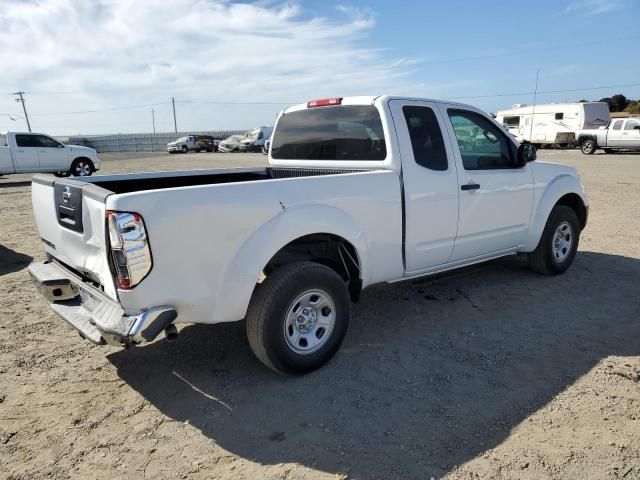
x,y
171,332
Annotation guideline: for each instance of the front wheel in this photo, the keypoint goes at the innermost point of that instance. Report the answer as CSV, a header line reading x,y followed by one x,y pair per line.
x,y
185,149
298,317
559,242
81,167
588,147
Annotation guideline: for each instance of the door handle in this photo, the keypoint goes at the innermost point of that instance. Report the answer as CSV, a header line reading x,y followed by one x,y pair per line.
x,y
470,186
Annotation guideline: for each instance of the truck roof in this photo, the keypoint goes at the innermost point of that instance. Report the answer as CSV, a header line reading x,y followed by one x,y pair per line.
x,y
371,99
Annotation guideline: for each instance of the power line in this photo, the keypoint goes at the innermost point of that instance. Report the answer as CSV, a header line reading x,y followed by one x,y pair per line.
x,y
130,107
568,90
231,102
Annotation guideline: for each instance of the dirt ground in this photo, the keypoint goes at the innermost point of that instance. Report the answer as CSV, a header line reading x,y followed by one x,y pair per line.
x,y
495,372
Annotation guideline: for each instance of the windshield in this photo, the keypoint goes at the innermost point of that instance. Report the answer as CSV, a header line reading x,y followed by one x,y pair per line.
x,y
350,132
234,139
181,139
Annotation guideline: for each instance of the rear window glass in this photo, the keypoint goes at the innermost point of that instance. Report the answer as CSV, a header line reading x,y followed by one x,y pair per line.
x,y
350,132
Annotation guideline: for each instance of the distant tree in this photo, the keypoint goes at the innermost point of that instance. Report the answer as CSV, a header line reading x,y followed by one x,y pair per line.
x,y
607,100
633,107
619,102
583,101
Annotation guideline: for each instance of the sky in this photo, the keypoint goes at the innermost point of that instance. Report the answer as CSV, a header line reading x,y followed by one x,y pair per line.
x,y
95,67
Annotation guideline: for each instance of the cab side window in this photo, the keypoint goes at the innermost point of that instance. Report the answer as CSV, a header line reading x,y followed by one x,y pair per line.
x,y
43,141
617,125
482,145
26,141
426,138
631,124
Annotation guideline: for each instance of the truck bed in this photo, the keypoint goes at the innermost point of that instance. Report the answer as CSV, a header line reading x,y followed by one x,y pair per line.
x,y
211,231
162,180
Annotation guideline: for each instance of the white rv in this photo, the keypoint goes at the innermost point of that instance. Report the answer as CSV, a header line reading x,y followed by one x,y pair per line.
x,y
553,123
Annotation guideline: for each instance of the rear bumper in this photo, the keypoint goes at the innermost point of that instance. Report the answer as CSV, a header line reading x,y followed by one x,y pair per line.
x,y
97,317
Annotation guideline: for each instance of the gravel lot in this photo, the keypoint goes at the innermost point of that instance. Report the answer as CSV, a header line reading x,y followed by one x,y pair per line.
x,y
494,372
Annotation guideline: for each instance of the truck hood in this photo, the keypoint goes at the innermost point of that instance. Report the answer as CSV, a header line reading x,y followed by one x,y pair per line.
x,y
555,169
90,152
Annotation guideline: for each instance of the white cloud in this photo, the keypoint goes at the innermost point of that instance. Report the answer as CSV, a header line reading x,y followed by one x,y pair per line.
x,y
594,7
72,55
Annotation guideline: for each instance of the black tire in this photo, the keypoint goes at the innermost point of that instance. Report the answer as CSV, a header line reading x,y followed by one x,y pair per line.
x,y
272,300
185,149
588,146
543,259
82,167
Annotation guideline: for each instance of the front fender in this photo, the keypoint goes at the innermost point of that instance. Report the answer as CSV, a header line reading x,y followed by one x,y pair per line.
x,y
243,271
549,196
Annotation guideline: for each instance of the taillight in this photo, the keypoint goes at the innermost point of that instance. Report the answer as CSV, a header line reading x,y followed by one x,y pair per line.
x,y
324,102
130,250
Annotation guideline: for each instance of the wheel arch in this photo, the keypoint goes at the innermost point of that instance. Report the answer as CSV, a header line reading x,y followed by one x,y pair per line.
x,y
285,237
564,190
583,138
82,157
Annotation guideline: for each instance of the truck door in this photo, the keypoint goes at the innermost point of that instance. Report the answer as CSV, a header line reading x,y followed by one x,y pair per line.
x,y
496,196
631,134
615,137
430,184
26,153
52,154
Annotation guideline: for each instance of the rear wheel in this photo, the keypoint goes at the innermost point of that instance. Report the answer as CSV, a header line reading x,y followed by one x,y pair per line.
x,y
298,317
81,167
559,242
588,147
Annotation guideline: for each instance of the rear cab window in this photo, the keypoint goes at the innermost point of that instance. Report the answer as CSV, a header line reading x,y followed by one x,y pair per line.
x,y
344,132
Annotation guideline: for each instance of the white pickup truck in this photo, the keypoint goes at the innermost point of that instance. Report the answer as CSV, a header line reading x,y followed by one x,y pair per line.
x,y
35,152
620,134
359,191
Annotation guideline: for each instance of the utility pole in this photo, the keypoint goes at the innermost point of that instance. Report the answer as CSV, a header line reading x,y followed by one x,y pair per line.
x,y
24,108
153,120
533,112
175,123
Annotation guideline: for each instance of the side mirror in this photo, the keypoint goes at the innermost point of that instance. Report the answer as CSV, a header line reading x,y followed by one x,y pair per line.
x,y
526,153
637,127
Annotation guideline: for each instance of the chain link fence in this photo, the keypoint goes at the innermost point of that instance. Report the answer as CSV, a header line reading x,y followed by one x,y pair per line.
x,y
141,142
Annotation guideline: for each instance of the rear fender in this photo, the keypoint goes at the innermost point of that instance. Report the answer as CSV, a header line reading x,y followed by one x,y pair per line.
x,y
244,270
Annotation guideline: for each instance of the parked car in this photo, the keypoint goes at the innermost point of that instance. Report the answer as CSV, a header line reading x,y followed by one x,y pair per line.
x,y
193,143
231,144
359,191
255,139
22,152
267,144
620,134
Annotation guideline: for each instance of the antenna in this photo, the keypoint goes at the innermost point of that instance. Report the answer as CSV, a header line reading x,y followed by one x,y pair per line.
x,y
533,112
